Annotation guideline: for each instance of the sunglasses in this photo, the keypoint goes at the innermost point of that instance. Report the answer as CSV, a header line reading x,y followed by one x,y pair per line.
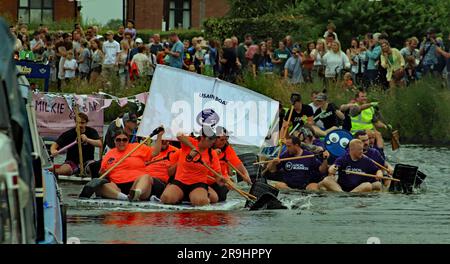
x,y
124,140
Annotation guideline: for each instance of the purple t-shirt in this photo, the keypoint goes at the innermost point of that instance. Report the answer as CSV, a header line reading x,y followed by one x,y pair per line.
x,y
381,150
299,173
349,182
375,155
132,31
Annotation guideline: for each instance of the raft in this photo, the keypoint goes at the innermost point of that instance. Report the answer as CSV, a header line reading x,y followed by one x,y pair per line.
x,y
154,204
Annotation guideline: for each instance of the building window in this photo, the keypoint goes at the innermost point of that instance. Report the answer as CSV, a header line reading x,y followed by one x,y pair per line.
x,y
178,14
36,11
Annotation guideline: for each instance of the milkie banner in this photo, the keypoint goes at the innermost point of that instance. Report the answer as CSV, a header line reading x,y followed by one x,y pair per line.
x,y
54,115
184,102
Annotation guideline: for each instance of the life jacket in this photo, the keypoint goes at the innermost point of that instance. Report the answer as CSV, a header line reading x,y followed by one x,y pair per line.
x,y
363,121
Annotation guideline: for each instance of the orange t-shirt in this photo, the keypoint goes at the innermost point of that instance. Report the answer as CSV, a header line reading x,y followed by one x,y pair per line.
x,y
160,169
131,168
193,172
228,155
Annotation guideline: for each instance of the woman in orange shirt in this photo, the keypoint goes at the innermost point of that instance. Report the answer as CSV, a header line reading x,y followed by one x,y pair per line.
x,y
191,177
226,154
130,176
163,165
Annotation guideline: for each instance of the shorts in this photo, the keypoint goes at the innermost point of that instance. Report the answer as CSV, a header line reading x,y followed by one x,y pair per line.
x,y
157,187
75,167
187,189
221,191
125,187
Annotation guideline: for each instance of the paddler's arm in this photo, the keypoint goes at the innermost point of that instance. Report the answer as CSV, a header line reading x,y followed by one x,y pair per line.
x,y
332,170
380,124
244,173
157,146
284,128
94,142
272,166
310,120
54,148
389,167
339,114
379,174
185,140
324,166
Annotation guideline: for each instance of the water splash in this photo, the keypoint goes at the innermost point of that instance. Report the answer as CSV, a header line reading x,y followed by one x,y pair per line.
x,y
298,203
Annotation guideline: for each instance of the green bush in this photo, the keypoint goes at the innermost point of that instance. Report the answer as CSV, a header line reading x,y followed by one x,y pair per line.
x,y
276,27
400,19
145,34
420,112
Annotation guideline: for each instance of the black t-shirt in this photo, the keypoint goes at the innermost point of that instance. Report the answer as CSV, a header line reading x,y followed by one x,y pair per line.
x,y
261,60
155,48
297,117
118,38
72,153
328,117
347,123
229,54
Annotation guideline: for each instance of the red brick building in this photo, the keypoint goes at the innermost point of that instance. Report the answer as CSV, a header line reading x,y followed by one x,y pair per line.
x,y
154,14
40,11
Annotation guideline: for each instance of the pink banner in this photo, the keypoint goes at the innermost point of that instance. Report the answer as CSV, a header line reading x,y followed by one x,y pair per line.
x,y
55,116
142,97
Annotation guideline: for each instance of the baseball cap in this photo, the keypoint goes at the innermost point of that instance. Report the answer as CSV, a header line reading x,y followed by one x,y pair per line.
x,y
139,40
109,32
129,117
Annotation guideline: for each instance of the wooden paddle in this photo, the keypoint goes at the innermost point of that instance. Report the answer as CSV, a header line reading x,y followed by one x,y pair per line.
x,y
283,135
237,171
395,140
370,175
378,164
161,159
80,148
285,159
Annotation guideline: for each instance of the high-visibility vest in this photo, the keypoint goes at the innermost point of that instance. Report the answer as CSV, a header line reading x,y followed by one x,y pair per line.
x,y
363,121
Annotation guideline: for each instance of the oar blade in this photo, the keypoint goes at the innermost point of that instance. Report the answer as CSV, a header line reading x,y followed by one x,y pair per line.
x,y
266,197
90,187
267,201
395,140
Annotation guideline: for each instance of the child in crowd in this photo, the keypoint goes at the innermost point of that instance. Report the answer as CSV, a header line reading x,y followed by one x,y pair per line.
x,y
70,67
130,29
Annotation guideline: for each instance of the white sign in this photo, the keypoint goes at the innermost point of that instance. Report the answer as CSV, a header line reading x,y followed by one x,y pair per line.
x,y
184,102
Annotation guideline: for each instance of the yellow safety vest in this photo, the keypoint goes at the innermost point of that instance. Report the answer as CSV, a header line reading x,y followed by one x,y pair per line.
x,y
363,121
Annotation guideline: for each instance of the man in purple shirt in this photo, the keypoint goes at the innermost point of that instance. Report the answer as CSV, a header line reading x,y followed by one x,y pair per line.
x,y
374,154
354,161
300,173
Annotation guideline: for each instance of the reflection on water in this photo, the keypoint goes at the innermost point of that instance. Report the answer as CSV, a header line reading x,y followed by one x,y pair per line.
x,y
311,218
161,219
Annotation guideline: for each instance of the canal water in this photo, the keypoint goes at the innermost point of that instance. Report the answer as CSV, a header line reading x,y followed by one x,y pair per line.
x,y
423,217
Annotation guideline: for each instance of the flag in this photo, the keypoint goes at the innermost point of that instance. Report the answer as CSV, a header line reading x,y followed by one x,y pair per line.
x,y
184,102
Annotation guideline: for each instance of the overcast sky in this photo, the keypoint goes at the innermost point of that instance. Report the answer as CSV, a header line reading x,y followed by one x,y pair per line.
x,y
101,10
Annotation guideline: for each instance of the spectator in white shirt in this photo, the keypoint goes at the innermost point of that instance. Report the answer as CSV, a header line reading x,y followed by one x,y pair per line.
x,y
111,49
335,60
70,67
